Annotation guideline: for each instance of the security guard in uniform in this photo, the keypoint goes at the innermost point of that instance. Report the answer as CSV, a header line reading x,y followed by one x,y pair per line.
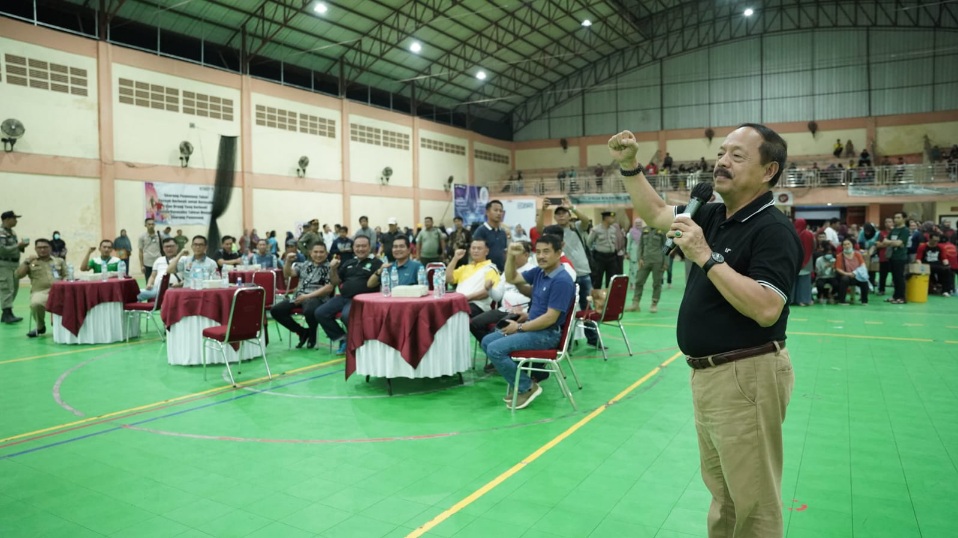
x,y
10,249
651,260
43,270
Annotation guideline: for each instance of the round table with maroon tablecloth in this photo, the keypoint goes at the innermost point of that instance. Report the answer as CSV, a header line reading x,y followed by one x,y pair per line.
x,y
408,337
186,312
91,311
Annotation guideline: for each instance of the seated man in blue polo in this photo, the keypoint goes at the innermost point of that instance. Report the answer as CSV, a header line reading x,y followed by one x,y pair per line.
x,y
552,291
407,267
105,262
262,257
352,278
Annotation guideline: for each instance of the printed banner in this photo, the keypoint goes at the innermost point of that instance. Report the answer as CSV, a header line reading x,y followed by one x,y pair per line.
x,y
175,204
470,205
902,190
601,199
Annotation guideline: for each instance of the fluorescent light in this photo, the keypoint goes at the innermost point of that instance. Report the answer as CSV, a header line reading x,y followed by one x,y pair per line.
x,y
415,47
320,8
829,204
481,75
587,23
749,11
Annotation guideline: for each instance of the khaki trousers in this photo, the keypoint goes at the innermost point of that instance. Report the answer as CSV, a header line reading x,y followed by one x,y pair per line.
x,y
38,307
739,410
655,269
9,285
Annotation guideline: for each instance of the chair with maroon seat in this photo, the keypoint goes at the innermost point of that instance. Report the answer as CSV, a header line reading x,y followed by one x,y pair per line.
x,y
267,281
430,269
245,324
612,312
152,308
550,360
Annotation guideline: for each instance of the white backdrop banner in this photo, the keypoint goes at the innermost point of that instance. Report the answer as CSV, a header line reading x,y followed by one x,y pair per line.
x,y
520,211
176,204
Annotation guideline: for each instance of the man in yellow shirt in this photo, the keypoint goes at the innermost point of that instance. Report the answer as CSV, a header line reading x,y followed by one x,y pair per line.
x,y
476,278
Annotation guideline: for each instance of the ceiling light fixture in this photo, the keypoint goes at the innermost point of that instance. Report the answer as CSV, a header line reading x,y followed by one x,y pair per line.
x,y
415,47
481,75
749,11
320,8
586,23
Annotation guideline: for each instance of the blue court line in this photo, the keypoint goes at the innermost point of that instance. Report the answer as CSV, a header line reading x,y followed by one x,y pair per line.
x,y
168,415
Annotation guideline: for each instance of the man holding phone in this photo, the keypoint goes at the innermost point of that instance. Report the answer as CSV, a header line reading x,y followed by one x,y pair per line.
x,y
552,291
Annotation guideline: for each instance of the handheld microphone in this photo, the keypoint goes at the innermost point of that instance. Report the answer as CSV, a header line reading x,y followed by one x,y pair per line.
x,y
701,194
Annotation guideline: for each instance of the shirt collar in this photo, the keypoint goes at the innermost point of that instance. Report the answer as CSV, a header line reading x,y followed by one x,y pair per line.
x,y
755,207
486,224
556,271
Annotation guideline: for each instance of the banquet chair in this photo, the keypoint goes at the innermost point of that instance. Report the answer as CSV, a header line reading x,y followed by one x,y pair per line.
x,y
267,281
152,308
550,360
430,269
612,312
245,324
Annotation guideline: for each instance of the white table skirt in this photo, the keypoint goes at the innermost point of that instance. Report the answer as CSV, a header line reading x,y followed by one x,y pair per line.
x,y
105,323
184,344
449,354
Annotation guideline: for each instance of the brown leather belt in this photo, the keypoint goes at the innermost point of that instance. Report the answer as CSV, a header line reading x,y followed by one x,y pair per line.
x,y
738,354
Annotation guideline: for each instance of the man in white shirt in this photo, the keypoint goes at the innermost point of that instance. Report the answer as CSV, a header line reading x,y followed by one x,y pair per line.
x,y
158,270
831,233
512,303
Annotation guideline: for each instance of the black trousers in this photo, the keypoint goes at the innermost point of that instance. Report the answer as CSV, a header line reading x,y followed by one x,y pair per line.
x,y
604,268
845,281
282,313
883,269
147,271
479,325
898,277
944,276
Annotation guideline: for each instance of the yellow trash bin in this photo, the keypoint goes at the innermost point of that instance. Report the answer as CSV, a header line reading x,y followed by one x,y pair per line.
x,y
916,288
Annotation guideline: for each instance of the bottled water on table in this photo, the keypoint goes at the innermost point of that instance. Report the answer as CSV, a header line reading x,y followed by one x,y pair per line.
x,y
121,269
196,275
226,275
393,277
70,272
56,274
239,282
421,277
384,285
439,282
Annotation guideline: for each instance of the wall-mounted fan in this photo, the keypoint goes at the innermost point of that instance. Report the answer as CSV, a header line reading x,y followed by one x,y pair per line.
x,y
448,186
386,174
12,129
186,149
303,163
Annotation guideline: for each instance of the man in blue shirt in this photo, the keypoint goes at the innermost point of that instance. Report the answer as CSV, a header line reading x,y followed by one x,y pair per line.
x,y
552,291
407,268
262,257
492,233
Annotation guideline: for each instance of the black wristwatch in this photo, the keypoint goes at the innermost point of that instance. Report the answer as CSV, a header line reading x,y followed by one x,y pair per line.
x,y
716,258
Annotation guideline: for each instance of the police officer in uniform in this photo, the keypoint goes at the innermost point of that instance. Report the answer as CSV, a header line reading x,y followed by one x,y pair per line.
x,y
43,269
651,260
10,249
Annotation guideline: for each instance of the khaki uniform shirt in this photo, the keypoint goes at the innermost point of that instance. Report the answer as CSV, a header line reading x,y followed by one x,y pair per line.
x,y
307,240
9,246
651,245
603,239
41,273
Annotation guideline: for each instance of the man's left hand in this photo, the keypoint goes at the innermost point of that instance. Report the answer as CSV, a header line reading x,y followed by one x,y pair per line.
x,y
511,328
691,239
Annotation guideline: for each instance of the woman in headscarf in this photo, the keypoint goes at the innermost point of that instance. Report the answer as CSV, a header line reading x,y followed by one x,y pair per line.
x,y
802,294
58,247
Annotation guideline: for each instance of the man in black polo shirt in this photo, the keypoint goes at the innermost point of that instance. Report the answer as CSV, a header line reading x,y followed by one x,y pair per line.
x,y
225,255
352,279
732,323
492,233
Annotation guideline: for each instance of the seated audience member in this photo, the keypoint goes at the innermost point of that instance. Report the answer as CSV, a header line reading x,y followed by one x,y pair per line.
x,y
291,247
314,289
343,245
825,275
406,267
152,288
352,279
552,291
226,255
846,263
262,257
43,269
512,303
933,254
104,263
183,264
475,279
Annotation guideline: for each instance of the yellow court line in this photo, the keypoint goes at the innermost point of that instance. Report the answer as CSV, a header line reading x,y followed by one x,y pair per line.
x,y
951,341
535,455
79,350
913,324
864,336
207,392
874,323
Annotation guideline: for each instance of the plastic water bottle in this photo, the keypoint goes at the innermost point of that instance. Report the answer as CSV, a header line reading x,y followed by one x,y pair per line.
x,y
121,269
239,282
70,272
421,277
384,285
436,278
226,275
197,276
393,278
56,273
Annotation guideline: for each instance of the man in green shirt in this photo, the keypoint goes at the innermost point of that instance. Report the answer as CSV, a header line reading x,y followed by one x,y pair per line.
x,y
105,263
897,255
430,243
310,236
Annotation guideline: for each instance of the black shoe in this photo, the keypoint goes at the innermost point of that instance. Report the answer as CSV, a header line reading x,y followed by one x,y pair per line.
x,y
311,342
539,377
37,332
8,316
489,368
303,338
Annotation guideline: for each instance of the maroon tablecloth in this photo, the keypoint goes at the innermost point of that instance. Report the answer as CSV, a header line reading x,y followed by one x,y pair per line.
x,y
72,300
248,277
214,304
405,324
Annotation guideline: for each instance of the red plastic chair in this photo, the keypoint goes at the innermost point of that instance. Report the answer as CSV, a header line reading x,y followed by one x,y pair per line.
x,y
550,360
266,279
245,324
152,308
612,313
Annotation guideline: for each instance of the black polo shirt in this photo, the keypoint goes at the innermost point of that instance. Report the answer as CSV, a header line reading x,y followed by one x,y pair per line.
x,y
759,242
354,274
497,242
227,256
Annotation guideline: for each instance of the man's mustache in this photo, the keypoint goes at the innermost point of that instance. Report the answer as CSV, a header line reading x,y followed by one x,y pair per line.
x,y
722,172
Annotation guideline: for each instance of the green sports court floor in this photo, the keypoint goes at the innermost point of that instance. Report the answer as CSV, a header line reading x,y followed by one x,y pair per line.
x,y
110,440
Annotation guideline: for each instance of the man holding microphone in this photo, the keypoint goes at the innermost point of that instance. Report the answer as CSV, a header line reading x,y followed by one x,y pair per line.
x,y
732,323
